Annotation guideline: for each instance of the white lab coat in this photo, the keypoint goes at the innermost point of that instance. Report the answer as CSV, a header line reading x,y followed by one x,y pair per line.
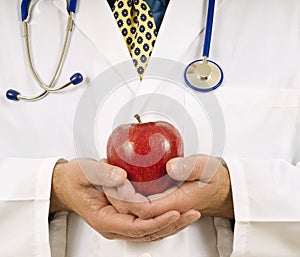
x,y
257,43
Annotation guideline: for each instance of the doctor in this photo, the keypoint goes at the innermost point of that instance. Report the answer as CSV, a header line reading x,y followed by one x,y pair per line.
x,y
256,42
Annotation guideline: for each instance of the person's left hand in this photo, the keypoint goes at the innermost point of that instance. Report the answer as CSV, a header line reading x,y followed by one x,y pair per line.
x,y
205,187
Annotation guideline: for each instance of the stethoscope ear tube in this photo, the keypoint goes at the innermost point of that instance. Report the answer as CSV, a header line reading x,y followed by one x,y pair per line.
x,y
208,29
75,79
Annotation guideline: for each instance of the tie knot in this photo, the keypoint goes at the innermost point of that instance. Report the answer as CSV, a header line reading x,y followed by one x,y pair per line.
x,y
133,7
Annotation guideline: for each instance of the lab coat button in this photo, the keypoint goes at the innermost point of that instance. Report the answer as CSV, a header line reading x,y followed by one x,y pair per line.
x,y
145,255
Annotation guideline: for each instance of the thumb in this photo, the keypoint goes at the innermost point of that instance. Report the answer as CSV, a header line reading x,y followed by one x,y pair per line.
x,y
101,173
196,167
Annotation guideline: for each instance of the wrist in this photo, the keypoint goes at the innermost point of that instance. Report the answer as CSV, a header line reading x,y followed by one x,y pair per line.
x,y
226,206
220,204
57,187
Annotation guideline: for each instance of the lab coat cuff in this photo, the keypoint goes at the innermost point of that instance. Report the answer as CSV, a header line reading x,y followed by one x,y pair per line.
x,y
239,189
25,189
43,192
31,179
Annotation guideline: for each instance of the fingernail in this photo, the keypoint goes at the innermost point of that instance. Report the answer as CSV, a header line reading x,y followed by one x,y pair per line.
x,y
174,218
197,215
177,169
175,165
117,175
194,216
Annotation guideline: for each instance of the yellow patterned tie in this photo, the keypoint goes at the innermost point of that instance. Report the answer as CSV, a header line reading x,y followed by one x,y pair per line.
x,y
138,28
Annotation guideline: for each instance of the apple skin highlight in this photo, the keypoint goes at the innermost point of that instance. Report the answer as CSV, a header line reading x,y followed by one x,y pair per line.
x,y
143,149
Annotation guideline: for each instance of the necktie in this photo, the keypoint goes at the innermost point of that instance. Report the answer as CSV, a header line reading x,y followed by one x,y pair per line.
x,y
138,28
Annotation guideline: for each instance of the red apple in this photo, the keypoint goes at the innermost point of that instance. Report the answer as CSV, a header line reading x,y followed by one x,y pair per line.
x,y
143,149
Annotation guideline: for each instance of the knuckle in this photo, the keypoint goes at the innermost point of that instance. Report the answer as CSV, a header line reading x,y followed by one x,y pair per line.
x,y
144,214
137,232
142,230
146,211
121,209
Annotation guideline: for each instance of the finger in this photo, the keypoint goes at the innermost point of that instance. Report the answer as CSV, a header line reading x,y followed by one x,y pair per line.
x,y
125,192
121,196
147,207
135,207
195,167
102,173
114,236
110,221
186,196
185,220
136,204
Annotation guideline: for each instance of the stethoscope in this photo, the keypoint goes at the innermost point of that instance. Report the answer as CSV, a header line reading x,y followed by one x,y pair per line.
x,y
205,75
75,79
202,75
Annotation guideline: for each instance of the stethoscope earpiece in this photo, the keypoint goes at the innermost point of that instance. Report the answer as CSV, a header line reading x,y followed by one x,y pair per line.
x,y
76,78
12,94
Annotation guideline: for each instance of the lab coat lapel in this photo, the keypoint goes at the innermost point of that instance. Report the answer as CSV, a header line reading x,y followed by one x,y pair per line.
x,y
95,21
182,23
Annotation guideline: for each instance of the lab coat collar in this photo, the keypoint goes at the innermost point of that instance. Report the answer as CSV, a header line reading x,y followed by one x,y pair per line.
x,y
183,22
173,38
174,35
104,32
61,5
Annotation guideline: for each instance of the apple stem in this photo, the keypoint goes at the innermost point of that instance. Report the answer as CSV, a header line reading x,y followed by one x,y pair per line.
x,y
138,117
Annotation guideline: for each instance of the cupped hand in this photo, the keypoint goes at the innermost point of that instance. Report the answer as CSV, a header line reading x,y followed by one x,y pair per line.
x,y
77,186
204,185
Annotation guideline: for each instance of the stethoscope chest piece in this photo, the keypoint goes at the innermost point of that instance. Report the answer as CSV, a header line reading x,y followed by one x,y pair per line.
x,y
203,75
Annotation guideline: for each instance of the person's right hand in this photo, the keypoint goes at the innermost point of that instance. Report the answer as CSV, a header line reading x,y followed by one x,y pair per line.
x,y
78,191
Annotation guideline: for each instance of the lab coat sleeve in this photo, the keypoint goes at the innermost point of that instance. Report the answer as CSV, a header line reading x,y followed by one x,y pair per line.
x,y
266,196
25,186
